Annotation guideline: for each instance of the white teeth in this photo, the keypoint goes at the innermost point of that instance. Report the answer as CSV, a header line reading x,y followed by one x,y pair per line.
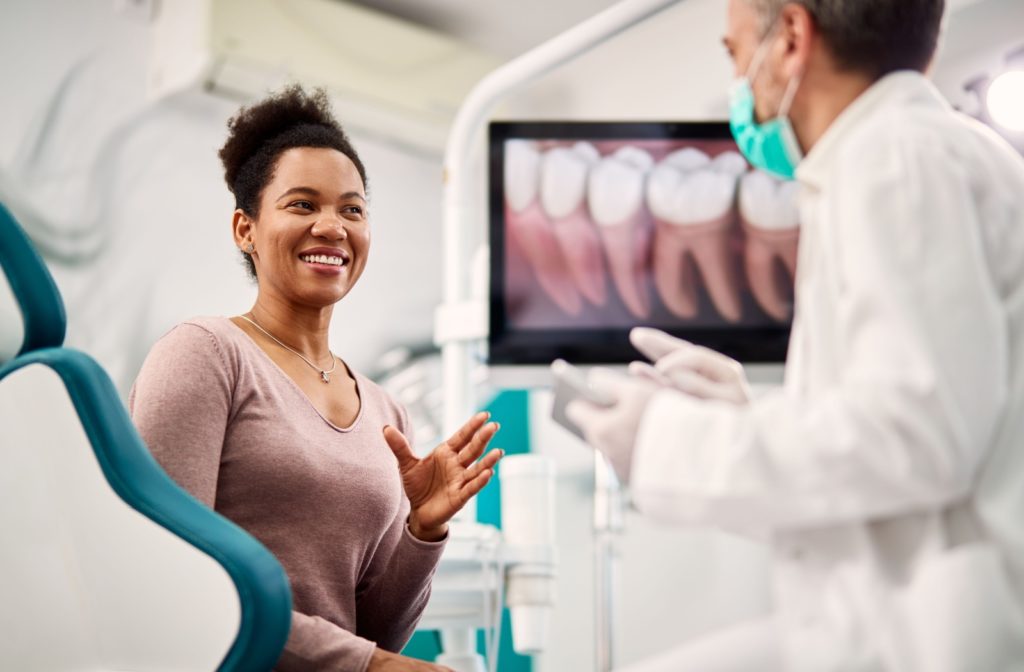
x,y
323,259
587,151
563,180
616,189
730,163
688,188
687,159
768,203
522,171
635,156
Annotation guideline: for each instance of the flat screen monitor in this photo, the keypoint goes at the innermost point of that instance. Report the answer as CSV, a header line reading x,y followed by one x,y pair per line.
x,y
598,227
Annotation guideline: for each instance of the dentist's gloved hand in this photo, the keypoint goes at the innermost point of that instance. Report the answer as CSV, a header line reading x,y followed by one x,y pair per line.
x,y
612,429
693,369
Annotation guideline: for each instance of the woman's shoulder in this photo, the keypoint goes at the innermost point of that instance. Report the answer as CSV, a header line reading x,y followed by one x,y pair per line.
x,y
203,337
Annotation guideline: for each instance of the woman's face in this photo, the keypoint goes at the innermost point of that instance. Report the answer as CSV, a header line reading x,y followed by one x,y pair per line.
x,y
312,237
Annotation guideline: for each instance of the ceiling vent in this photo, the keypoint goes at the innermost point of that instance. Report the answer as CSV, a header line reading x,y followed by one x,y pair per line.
x,y
387,76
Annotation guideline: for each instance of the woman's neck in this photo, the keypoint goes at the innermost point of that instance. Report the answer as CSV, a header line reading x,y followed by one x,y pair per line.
x,y
300,327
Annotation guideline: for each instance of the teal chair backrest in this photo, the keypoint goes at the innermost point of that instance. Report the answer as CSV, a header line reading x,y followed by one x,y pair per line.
x,y
105,563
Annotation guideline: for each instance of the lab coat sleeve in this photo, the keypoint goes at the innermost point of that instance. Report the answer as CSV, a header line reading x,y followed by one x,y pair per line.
x,y
921,383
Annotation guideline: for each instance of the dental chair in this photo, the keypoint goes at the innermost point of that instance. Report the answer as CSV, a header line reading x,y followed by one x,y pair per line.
x,y
105,563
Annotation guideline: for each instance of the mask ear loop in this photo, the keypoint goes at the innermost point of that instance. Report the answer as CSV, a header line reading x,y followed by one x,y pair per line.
x,y
760,55
755,67
789,95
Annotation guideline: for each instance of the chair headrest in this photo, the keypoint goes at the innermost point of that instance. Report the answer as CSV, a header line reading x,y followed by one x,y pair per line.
x,y
31,310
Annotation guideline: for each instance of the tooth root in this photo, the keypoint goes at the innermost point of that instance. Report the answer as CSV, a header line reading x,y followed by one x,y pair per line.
x,y
716,262
534,237
674,277
708,245
769,257
628,248
581,247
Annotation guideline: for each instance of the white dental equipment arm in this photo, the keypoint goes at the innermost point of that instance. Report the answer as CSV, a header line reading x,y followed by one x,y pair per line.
x,y
461,319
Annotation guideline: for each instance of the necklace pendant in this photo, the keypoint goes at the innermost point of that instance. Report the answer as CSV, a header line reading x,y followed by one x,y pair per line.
x,y
324,376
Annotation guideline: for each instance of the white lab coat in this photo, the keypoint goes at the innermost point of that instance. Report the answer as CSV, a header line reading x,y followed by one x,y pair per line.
x,y
888,471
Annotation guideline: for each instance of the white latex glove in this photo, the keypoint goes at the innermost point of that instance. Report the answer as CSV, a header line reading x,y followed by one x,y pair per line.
x,y
612,429
693,369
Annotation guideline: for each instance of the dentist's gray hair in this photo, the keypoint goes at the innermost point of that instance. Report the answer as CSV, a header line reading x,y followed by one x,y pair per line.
x,y
875,37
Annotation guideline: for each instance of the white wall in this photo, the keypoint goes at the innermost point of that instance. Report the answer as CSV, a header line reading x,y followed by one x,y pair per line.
x,y
158,198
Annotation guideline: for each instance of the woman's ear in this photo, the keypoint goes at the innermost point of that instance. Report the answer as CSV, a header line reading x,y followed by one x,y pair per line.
x,y
243,230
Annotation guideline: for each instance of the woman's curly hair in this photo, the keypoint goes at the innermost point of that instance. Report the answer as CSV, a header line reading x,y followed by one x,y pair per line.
x,y
261,132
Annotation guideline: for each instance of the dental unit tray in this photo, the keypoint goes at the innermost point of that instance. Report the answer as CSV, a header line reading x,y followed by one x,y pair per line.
x,y
597,227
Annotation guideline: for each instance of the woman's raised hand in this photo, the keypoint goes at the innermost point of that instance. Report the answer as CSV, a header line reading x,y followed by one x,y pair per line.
x,y
441,483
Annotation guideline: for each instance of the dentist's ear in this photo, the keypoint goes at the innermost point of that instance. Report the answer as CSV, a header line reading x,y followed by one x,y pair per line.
x,y
799,31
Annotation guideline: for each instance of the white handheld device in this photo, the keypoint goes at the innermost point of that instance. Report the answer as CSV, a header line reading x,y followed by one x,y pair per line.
x,y
570,384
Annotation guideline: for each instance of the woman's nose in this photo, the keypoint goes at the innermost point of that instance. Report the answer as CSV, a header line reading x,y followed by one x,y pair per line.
x,y
330,226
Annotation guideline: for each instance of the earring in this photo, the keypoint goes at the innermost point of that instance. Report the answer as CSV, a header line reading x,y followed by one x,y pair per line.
x,y
249,249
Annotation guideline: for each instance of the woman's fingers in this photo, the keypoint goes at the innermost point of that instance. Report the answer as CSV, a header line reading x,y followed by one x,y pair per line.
x,y
466,433
476,447
400,447
476,484
485,464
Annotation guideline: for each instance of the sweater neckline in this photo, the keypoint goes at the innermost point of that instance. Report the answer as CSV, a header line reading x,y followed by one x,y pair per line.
x,y
299,391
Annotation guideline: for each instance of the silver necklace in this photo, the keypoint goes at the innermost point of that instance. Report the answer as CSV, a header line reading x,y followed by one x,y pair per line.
x,y
325,375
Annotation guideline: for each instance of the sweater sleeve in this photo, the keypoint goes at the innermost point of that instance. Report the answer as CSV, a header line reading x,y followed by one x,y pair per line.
x,y
181,404
395,589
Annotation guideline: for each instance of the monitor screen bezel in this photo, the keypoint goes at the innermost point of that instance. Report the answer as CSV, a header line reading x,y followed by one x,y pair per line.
x,y
509,346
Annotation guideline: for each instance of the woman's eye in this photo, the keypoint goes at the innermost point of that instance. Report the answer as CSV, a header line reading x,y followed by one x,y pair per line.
x,y
353,210
303,205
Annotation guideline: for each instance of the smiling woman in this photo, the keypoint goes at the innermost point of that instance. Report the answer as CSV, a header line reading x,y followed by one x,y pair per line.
x,y
245,414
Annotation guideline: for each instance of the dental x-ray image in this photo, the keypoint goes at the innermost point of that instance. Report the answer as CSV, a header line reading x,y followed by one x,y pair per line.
x,y
600,227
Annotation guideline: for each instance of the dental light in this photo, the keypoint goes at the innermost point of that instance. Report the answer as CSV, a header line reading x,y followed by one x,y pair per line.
x,y
1005,100
999,98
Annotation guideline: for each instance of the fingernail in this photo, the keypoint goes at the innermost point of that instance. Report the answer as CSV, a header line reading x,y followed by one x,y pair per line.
x,y
497,426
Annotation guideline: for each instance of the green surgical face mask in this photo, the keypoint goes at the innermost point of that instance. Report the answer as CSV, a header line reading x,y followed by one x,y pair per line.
x,y
771,146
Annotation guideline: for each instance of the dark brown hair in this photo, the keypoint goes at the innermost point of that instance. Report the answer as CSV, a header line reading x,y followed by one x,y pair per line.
x,y
261,132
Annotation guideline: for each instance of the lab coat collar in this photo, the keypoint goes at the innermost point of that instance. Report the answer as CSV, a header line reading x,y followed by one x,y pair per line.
x,y
897,88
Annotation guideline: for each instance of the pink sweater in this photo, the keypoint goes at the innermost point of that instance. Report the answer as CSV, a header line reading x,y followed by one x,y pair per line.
x,y
231,428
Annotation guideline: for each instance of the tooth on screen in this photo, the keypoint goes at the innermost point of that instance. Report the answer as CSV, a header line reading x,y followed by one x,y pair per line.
x,y
768,214
564,174
529,228
692,199
616,198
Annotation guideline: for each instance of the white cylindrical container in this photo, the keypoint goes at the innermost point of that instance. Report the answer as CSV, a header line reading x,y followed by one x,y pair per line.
x,y
528,500
528,531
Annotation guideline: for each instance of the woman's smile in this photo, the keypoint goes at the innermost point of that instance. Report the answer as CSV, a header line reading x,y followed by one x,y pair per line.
x,y
326,260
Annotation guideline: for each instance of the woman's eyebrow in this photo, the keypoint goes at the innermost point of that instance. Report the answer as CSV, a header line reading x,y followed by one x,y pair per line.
x,y
313,192
296,190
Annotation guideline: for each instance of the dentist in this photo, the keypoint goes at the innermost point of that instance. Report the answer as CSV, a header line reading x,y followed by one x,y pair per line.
x,y
888,472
